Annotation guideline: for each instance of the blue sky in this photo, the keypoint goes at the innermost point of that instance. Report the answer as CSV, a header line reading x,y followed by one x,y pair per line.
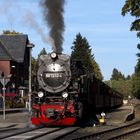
x,y
107,32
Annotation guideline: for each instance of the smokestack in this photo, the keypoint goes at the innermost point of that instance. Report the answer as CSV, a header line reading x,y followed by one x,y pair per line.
x,y
53,14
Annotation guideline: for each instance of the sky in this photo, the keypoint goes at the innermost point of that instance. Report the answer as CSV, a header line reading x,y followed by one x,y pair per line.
x,y
101,22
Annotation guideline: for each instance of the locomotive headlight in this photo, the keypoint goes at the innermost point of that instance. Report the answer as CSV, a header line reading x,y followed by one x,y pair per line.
x,y
40,94
64,94
53,55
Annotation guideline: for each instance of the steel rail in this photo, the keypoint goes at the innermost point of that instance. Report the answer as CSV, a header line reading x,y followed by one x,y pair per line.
x,y
55,132
108,134
124,134
15,131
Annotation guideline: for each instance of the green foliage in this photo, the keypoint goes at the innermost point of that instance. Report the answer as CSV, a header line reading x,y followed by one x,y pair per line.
x,y
122,86
137,68
34,66
8,103
42,52
136,85
18,105
13,103
34,62
96,70
81,51
133,7
136,77
116,75
8,32
128,77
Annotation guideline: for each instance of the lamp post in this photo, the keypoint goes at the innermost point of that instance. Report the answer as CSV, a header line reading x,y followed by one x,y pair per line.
x,y
13,72
30,46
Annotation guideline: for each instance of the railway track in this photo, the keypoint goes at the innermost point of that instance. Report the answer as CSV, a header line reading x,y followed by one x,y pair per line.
x,y
50,133
58,133
113,134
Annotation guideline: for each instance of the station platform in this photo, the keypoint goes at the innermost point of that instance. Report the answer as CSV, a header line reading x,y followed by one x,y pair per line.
x,y
19,118
120,115
114,118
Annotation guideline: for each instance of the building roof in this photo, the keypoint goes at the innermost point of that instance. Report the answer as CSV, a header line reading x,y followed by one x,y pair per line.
x,y
12,47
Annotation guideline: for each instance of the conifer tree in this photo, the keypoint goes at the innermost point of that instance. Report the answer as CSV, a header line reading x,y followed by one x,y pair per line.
x,y
42,52
137,68
136,77
81,51
116,75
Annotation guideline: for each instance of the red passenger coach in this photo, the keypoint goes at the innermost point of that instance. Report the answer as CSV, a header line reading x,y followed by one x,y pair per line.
x,y
64,98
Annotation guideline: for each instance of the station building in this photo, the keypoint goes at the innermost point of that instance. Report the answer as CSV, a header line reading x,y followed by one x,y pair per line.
x,y
14,62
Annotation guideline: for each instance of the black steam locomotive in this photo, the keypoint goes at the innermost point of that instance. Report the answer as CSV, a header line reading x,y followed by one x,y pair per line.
x,y
65,98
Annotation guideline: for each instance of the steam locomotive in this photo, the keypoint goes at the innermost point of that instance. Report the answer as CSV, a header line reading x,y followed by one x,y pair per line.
x,y
65,95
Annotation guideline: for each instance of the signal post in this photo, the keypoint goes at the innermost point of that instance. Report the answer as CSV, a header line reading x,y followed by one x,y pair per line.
x,y
4,80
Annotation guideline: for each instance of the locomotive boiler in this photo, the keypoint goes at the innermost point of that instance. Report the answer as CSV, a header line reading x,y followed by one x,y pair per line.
x,y
56,102
65,95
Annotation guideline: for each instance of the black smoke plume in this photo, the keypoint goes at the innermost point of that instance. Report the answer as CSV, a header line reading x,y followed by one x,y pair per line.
x,y
53,13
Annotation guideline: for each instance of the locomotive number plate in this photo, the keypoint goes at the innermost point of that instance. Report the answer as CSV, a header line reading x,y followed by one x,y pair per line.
x,y
53,75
